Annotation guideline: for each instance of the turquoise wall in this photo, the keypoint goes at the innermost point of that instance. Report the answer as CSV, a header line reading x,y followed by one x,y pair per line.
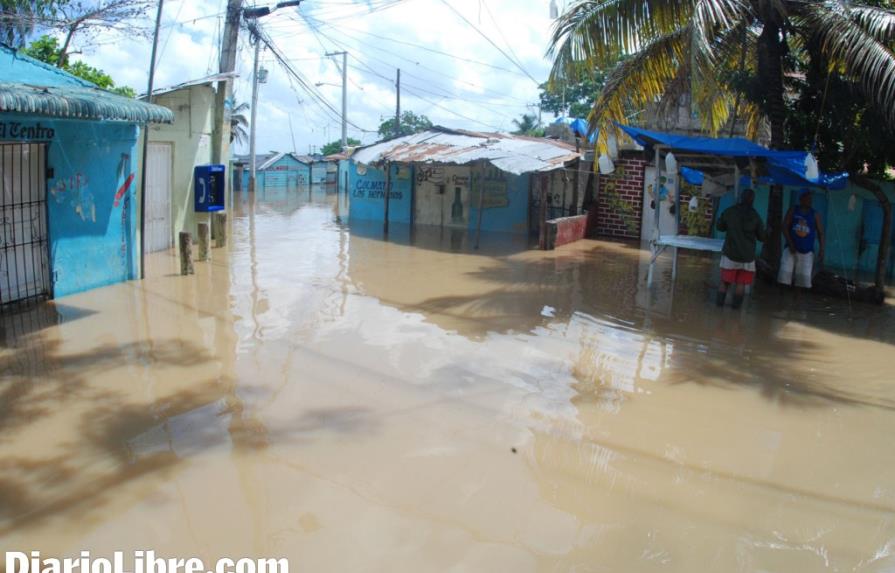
x,y
367,194
91,195
91,201
318,172
367,201
344,169
512,218
291,173
852,235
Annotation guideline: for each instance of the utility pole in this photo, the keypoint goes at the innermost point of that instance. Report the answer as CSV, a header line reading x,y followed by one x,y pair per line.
x,y
344,95
221,142
252,14
294,148
158,22
344,100
253,165
398,107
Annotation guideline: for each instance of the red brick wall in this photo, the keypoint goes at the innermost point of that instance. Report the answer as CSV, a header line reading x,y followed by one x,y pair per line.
x,y
620,201
565,230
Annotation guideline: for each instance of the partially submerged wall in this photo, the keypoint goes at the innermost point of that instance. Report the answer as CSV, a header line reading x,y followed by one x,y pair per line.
x,y
190,138
619,207
367,191
565,230
91,199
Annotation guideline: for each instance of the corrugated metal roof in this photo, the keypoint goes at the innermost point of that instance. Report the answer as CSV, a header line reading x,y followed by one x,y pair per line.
x,y
265,160
207,80
78,102
276,157
511,153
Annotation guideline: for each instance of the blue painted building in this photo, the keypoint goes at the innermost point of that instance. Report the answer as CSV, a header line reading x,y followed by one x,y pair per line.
x,y
319,169
444,178
852,217
273,171
68,207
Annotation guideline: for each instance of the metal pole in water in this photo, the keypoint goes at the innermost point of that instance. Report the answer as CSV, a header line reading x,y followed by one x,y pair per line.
x,y
253,164
478,229
158,22
388,184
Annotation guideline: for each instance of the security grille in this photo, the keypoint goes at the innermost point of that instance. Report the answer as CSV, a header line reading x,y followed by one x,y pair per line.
x,y
24,255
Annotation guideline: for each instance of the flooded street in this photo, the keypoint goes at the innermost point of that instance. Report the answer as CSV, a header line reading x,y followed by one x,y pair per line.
x,y
355,404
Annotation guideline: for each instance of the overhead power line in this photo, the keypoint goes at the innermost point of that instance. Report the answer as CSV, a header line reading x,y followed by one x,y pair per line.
x,y
302,81
342,29
490,41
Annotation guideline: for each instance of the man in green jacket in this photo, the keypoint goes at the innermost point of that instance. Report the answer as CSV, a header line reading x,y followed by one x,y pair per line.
x,y
744,227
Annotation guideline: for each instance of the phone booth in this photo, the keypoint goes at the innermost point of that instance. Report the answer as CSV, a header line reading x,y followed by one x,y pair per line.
x,y
208,188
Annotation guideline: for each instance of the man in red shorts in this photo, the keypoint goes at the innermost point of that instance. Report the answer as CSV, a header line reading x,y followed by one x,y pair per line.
x,y
744,227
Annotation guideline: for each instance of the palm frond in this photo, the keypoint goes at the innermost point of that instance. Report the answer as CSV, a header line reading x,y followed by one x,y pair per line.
x,y
639,81
878,22
595,33
862,57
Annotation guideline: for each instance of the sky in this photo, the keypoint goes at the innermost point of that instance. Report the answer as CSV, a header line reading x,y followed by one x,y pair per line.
x,y
479,73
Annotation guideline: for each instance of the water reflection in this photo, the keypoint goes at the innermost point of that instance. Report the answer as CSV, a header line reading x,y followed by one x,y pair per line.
x,y
497,408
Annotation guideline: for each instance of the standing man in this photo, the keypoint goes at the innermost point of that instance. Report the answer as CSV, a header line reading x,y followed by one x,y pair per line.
x,y
744,227
801,227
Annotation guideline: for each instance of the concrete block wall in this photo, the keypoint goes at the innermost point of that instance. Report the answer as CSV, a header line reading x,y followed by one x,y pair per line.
x,y
625,188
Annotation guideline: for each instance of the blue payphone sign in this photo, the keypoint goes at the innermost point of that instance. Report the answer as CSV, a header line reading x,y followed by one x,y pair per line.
x,y
208,188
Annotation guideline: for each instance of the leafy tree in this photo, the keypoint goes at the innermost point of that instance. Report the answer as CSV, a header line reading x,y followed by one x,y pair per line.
x,y
676,46
528,124
575,98
18,18
46,49
410,123
87,17
336,146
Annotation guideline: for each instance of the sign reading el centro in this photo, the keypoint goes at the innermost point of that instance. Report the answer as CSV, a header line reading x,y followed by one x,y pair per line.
x,y
19,130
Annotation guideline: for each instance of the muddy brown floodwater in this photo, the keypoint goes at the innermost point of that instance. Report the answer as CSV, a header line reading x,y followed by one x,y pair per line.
x,y
418,405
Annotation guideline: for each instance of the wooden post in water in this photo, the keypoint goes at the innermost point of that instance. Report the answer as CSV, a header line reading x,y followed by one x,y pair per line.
x,y
204,239
577,178
186,253
478,228
388,184
542,213
220,238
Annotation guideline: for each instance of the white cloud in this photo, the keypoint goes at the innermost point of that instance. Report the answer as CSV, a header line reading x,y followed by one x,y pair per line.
x,y
447,89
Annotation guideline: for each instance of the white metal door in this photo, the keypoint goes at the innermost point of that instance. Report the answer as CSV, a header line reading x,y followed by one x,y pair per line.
x,y
159,235
24,252
667,220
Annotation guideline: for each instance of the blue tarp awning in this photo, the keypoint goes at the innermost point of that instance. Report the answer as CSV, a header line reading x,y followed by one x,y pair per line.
x,y
784,167
578,127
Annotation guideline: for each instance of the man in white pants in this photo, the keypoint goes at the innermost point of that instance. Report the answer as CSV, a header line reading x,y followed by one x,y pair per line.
x,y
801,227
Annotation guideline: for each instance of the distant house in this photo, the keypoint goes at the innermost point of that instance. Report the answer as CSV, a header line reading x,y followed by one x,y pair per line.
x,y
68,169
319,169
274,170
465,180
174,151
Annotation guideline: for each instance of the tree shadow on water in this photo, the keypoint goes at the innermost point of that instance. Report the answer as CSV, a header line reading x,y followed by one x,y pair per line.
x,y
77,439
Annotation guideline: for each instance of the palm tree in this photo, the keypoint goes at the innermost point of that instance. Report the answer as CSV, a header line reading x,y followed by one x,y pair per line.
x,y
239,123
527,125
18,18
661,48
